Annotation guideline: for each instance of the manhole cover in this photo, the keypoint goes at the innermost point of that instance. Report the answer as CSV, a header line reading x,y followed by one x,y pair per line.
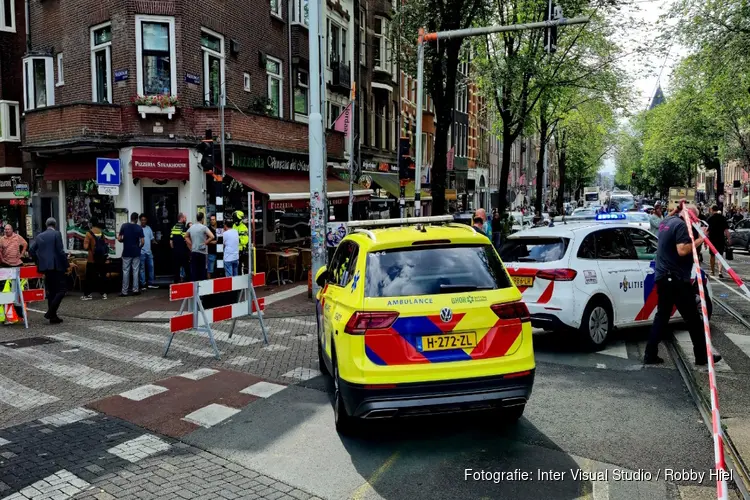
x,y
28,342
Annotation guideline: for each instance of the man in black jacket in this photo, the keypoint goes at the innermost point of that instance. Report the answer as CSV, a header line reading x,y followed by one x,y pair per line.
x,y
49,254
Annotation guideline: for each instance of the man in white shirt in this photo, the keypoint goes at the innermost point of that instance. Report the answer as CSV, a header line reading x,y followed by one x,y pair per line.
x,y
231,249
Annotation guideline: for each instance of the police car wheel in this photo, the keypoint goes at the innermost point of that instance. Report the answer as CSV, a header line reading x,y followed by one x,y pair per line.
x,y
345,423
596,325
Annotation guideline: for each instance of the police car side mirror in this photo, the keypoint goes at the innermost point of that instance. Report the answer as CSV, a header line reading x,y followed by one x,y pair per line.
x,y
321,276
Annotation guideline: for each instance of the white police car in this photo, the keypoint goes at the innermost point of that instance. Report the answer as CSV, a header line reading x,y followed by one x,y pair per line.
x,y
591,276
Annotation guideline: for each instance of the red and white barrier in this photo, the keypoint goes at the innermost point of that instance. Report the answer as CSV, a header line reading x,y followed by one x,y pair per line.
x,y
17,296
721,466
191,293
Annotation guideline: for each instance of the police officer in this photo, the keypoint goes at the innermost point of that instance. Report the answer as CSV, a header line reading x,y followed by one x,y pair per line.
x,y
180,251
674,262
241,228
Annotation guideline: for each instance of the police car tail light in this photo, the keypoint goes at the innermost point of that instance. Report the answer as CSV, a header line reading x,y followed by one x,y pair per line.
x,y
360,322
512,310
557,274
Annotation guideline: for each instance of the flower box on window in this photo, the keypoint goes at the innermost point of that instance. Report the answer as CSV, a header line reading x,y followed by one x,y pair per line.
x,y
156,105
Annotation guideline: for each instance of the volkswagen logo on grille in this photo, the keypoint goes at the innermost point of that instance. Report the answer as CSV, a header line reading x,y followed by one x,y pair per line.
x,y
446,314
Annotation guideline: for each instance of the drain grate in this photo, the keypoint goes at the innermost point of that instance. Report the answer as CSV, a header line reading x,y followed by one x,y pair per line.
x,y
28,342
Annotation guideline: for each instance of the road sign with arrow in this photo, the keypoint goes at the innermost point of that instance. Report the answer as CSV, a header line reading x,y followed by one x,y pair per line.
x,y
108,175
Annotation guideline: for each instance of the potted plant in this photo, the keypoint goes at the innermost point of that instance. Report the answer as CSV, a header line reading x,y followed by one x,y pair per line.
x,y
163,104
263,106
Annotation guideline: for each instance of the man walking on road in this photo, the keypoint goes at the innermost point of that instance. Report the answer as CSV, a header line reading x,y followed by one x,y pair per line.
x,y
131,237
48,252
674,263
197,238
718,233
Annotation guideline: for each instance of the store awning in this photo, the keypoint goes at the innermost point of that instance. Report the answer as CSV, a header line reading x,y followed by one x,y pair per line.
x,y
390,183
74,168
156,163
286,187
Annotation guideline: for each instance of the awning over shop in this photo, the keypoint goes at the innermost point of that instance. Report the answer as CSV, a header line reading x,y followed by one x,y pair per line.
x,y
291,187
390,183
74,168
156,163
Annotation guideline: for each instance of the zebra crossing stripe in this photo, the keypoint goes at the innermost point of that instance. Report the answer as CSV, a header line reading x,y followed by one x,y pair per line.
x,y
119,353
21,397
60,485
60,367
153,339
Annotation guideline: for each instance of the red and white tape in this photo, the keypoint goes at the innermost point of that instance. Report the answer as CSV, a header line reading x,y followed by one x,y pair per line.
x,y
716,431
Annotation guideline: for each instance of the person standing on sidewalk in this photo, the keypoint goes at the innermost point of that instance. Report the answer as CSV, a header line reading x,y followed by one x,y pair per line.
x,y
98,253
718,233
12,248
674,264
131,236
231,249
147,258
211,262
49,254
180,251
197,239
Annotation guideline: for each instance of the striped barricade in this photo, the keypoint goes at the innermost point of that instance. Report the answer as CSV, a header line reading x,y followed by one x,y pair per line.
x,y
12,281
201,319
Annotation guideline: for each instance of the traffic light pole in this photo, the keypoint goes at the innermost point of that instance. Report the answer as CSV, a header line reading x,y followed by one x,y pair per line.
x,y
448,35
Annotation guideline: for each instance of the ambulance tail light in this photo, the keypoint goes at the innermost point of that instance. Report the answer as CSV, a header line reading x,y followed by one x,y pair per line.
x,y
512,310
557,274
360,322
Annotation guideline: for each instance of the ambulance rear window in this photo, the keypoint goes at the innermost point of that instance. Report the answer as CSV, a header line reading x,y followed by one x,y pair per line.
x,y
434,270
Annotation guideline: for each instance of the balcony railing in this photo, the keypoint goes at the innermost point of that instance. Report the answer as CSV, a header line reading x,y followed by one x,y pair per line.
x,y
341,75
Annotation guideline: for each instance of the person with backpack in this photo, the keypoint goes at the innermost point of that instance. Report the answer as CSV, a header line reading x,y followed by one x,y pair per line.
x,y
98,253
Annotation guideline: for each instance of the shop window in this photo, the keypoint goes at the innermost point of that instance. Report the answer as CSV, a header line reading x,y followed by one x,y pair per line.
x,y
300,12
101,63
10,125
8,16
82,206
275,84
156,55
337,35
39,82
362,38
212,46
276,8
301,89
60,72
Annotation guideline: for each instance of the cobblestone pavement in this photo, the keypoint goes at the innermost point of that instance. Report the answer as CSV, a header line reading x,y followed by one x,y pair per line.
x,y
85,455
47,369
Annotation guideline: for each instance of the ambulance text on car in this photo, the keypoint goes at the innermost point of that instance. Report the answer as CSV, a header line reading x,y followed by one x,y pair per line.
x,y
416,319
589,276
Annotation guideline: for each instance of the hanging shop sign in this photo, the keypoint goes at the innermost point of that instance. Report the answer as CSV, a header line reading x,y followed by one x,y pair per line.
x,y
21,190
9,184
270,162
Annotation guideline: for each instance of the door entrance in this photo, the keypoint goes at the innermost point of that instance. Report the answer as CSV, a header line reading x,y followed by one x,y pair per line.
x,y
161,208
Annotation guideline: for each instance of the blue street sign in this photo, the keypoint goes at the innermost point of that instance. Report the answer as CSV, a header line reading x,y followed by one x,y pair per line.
x,y
107,172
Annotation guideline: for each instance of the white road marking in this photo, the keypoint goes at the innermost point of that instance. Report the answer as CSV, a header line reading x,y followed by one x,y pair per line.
x,y
242,360
618,350
286,294
601,366
3,442
19,396
305,322
210,415
263,389
156,315
274,347
60,485
119,353
60,367
600,490
139,448
143,392
741,341
730,288
302,373
683,338
68,417
198,374
155,339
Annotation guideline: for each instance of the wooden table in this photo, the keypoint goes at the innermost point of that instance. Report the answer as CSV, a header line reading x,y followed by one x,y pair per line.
x,y
282,255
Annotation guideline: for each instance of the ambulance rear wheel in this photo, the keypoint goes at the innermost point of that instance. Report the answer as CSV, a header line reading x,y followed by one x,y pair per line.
x,y
596,325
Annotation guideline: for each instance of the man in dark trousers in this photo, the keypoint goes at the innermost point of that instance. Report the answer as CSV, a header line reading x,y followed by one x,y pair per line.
x,y
180,251
674,263
49,254
718,233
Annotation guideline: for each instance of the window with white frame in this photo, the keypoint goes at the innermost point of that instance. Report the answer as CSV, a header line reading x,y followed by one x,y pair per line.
x,y
10,124
212,47
380,45
394,128
39,79
337,36
246,82
362,38
276,8
301,93
371,121
301,12
101,63
60,72
275,86
8,16
424,148
156,55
